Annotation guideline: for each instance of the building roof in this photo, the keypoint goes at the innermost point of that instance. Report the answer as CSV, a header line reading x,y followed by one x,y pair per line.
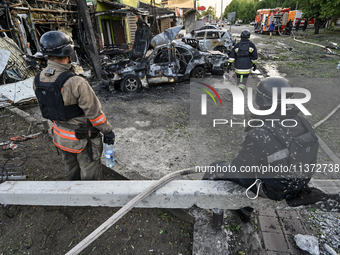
x,y
159,11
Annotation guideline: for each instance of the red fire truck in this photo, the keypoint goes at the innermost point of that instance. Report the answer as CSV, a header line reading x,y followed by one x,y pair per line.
x,y
280,16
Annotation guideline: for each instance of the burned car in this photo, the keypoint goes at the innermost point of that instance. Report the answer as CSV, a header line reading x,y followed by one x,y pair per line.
x,y
206,27
210,39
168,62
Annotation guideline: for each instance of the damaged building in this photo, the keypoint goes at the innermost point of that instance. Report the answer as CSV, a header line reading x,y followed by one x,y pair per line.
x,y
113,26
103,31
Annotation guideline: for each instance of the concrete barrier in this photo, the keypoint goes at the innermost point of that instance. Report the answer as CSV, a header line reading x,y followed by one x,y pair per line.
x,y
175,194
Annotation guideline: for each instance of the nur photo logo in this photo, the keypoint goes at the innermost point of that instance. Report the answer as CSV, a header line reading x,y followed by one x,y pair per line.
x,y
204,97
238,103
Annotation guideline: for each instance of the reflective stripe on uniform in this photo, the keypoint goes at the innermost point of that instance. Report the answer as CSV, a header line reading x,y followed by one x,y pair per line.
x,y
100,120
254,61
242,71
251,49
279,155
64,134
231,60
67,149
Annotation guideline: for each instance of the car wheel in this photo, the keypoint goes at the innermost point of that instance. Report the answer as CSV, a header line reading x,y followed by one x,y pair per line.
x,y
130,83
198,72
222,49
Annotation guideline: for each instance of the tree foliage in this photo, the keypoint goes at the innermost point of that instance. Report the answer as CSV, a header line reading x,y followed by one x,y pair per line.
x,y
210,12
318,9
246,9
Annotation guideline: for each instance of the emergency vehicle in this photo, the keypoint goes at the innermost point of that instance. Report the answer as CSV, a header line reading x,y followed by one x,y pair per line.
x,y
281,17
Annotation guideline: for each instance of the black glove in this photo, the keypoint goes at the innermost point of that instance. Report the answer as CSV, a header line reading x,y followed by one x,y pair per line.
x,y
109,138
254,67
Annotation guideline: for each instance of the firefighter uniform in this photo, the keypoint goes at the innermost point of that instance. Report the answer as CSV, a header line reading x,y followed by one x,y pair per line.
x,y
75,152
272,151
244,56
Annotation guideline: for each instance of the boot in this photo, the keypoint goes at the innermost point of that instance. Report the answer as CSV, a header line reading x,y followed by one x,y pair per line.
x,y
245,213
306,196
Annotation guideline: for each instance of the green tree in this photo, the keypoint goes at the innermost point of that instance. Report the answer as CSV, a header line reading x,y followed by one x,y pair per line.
x,y
210,12
320,10
245,9
271,4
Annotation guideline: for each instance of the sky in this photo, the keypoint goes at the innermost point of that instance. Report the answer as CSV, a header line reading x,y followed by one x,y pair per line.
x,y
214,3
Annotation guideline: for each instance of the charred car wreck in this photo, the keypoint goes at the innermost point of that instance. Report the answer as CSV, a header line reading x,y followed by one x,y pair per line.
x,y
210,39
168,62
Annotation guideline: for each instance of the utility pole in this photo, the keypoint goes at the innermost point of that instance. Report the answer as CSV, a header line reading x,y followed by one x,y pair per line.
x,y
221,11
92,48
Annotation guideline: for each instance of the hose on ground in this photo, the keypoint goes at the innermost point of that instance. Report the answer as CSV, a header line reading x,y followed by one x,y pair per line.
x,y
319,45
125,209
327,117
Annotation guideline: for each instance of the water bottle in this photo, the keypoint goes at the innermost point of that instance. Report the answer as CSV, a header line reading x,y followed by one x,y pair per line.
x,y
109,155
338,66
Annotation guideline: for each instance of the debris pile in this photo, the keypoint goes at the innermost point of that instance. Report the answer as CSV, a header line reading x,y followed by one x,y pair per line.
x,y
327,225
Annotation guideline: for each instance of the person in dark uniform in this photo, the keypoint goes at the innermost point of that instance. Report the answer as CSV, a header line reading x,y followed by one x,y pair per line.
x,y
244,56
297,25
305,24
289,27
274,144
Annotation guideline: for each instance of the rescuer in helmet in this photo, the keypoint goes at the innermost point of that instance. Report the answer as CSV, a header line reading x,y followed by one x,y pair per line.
x,y
69,101
275,142
244,56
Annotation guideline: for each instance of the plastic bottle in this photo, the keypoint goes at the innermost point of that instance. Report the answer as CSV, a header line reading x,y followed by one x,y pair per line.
x,y
109,155
338,66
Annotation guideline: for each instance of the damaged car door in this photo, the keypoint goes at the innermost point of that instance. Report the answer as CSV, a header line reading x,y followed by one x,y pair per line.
x,y
210,41
162,66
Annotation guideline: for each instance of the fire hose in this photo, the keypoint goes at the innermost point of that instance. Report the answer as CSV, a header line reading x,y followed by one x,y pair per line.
x,y
319,45
125,209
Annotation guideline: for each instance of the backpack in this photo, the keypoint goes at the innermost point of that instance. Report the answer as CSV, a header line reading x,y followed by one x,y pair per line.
x,y
243,49
302,151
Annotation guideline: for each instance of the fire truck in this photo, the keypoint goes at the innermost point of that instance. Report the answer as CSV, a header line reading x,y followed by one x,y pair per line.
x,y
280,16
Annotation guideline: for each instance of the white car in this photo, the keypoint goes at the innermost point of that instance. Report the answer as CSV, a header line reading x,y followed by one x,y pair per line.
x,y
211,39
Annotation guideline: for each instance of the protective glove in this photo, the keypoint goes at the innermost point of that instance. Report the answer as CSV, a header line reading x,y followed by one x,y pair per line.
x,y
254,67
228,67
109,138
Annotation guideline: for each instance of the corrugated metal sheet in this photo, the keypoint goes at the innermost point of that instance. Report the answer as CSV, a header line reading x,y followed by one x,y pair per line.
x,y
16,62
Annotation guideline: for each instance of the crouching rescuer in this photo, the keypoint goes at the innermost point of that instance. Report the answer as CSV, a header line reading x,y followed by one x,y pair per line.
x,y
281,154
71,104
